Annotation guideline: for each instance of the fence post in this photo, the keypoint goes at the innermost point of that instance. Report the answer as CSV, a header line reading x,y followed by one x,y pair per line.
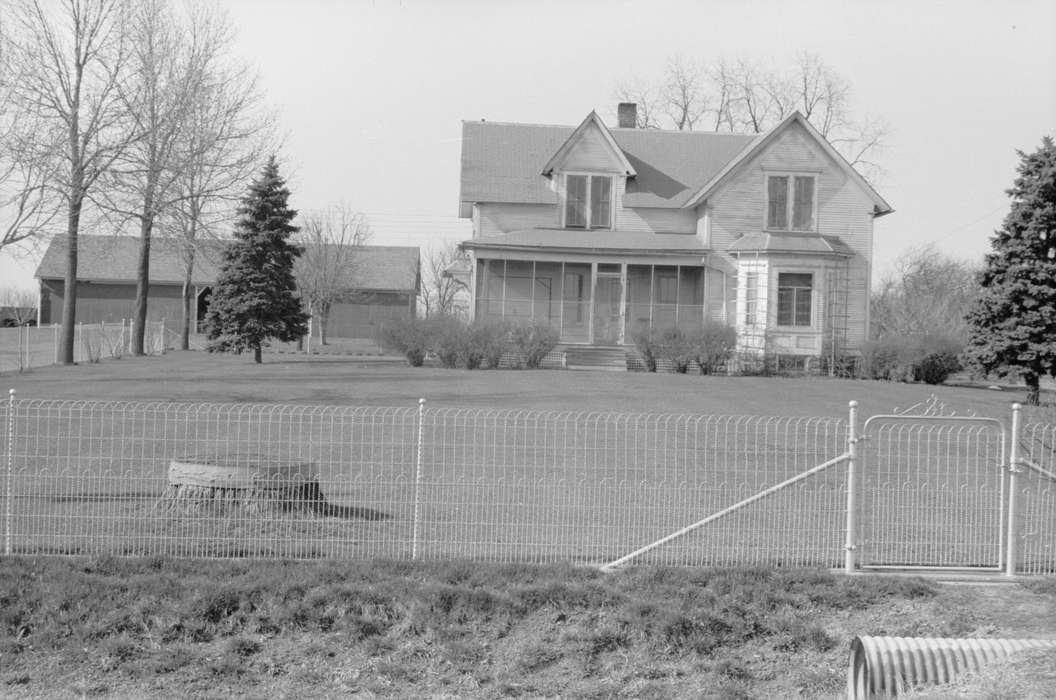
x,y
10,469
55,340
18,349
850,553
1013,469
417,480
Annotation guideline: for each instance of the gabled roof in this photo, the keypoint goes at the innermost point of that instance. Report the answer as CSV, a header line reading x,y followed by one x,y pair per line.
x,y
502,162
880,206
114,259
570,142
791,243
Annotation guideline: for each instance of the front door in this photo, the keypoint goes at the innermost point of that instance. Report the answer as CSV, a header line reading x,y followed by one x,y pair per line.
x,y
608,322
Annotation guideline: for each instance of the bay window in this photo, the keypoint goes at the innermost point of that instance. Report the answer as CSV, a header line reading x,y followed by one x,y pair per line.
x,y
794,298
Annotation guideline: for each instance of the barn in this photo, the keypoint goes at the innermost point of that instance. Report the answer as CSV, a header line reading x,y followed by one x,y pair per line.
x,y
386,283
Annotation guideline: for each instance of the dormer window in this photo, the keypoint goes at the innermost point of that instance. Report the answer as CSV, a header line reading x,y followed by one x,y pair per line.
x,y
790,202
588,201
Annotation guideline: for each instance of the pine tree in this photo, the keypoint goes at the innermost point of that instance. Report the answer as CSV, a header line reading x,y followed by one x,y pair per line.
x,y
254,298
1013,325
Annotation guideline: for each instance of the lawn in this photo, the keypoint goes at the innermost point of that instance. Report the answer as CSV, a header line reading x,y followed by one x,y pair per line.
x,y
349,380
529,465
617,460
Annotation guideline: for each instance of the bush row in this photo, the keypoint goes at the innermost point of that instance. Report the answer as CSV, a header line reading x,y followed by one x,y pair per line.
x,y
470,345
707,348
929,358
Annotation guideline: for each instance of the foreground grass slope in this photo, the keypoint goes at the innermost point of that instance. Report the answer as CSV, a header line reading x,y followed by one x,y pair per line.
x,y
130,628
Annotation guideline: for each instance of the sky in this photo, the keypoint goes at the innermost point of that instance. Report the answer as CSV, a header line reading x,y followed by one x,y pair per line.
x,y
371,95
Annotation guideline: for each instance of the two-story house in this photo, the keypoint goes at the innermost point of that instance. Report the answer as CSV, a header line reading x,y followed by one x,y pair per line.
x,y
598,231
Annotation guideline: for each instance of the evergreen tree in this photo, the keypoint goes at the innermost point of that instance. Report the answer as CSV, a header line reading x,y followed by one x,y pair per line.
x,y
1013,325
254,298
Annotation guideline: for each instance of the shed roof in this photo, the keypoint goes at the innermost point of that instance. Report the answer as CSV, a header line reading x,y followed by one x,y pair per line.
x,y
593,241
502,162
115,259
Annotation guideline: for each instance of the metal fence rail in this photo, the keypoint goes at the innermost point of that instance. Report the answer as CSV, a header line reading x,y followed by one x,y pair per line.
x,y
89,477
1035,494
272,481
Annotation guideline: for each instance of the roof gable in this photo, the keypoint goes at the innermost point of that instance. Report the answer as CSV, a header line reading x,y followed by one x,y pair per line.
x,y
590,147
757,146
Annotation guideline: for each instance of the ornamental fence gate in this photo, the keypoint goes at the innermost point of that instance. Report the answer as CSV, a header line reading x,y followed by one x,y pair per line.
x,y
605,489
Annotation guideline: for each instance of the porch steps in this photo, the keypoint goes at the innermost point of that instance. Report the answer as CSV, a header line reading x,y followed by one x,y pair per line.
x,y
612,359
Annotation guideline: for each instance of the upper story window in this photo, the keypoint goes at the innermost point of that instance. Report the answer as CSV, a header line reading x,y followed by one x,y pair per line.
x,y
790,202
588,201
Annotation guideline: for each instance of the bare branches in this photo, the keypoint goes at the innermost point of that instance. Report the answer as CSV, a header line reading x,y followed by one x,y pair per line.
x,y
326,271
443,288
742,96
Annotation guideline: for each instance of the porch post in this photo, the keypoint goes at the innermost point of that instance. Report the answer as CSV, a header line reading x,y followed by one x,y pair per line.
x,y
590,315
623,303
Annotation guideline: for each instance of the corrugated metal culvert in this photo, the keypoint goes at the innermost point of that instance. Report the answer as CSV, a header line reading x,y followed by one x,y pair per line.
x,y
887,666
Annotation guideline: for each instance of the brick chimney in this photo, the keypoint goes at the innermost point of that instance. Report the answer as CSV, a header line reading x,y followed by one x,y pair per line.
x,y
627,115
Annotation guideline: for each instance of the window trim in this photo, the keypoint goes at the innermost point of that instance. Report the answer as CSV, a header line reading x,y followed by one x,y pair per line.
x,y
813,299
589,209
790,200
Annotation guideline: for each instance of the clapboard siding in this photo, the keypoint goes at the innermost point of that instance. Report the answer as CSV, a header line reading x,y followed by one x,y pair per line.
x,y
843,210
497,219
651,220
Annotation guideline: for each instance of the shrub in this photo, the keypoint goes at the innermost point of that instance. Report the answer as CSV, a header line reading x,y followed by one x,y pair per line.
x,y
712,346
647,342
488,342
448,337
407,336
929,358
533,340
677,348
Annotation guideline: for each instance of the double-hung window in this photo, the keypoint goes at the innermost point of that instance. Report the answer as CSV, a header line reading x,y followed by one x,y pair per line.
x,y
794,297
790,202
588,201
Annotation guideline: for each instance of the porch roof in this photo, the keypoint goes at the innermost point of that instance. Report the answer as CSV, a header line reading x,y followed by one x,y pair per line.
x,y
599,242
791,243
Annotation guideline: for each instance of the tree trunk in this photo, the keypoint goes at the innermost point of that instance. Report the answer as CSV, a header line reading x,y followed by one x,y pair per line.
x,y
1033,388
69,305
324,319
189,299
256,354
139,327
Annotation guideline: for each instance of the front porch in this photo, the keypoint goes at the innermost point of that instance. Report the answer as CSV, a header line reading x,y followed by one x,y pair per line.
x,y
598,303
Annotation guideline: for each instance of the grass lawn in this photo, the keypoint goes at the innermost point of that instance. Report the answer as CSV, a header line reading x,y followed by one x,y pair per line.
x,y
198,628
175,629
387,381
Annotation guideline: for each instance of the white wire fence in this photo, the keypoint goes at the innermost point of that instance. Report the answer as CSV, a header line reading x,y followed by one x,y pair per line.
x,y
266,481
25,347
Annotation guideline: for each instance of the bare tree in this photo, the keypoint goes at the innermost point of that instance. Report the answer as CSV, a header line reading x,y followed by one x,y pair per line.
x,y
743,96
168,57
18,304
928,293
326,271
228,132
26,208
442,293
70,60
